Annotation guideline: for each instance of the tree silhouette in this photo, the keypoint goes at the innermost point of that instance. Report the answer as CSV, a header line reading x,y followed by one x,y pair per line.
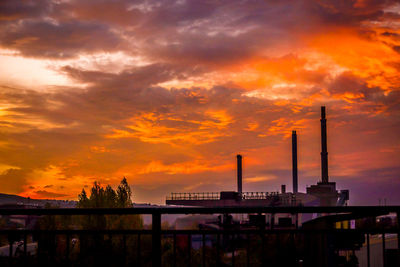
x,y
105,246
109,198
124,194
83,200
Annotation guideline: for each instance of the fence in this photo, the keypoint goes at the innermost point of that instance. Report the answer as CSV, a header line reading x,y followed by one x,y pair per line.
x,y
241,245
217,195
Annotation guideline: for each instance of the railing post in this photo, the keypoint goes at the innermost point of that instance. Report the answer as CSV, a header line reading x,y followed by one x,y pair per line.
x,y
384,249
218,260
10,252
203,251
272,221
174,251
189,249
67,244
156,238
248,250
25,240
138,250
368,252
124,249
398,227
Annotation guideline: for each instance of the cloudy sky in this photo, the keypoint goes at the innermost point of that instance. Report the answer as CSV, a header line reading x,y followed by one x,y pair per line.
x,y
166,93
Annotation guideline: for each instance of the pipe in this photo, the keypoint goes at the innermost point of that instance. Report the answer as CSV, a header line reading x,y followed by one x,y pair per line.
x,y
294,161
324,152
239,173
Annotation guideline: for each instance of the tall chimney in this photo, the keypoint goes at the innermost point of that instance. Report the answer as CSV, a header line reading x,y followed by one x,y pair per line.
x,y
239,173
294,160
324,150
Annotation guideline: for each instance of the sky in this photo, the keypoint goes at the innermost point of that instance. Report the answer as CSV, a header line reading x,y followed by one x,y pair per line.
x,y
166,93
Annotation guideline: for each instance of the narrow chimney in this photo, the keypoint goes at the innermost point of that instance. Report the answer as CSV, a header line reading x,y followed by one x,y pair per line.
x,y
294,160
324,150
239,173
283,189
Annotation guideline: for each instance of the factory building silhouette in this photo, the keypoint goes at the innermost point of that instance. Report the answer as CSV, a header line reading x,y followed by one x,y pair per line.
x,y
323,193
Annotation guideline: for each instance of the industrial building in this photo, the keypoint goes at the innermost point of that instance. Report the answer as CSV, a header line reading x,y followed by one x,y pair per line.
x,y
324,193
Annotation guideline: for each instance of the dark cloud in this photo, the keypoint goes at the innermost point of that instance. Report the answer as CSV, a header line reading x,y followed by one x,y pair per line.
x,y
355,90
396,48
350,83
13,10
206,32
390,34
53,40
136,77
119,12
348,12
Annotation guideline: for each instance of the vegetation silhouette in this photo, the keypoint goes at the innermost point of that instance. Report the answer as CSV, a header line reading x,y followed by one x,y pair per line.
x,y
97,248
108,198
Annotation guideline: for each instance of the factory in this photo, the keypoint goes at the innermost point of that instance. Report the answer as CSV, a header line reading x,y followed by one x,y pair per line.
x,y
323,193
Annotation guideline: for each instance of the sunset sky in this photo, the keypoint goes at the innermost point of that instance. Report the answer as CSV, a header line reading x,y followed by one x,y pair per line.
x,y
167,93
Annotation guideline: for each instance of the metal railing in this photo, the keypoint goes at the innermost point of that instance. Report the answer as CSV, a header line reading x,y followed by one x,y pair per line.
x,y
217,195
241,245
259,195
195,196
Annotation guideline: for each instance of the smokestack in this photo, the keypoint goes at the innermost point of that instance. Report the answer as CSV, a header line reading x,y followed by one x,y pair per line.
x,y
239,173
294,160
324,150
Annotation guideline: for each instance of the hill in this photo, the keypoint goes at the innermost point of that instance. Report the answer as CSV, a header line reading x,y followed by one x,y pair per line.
x,y
15,199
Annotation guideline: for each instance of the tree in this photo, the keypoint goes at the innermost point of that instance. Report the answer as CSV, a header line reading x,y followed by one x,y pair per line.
x,y
97,248
108,198
83,200
124,195
97,199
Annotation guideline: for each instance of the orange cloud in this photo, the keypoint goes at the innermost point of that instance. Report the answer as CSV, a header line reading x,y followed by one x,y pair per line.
x,y
367,57
166,128
283,126
183,168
